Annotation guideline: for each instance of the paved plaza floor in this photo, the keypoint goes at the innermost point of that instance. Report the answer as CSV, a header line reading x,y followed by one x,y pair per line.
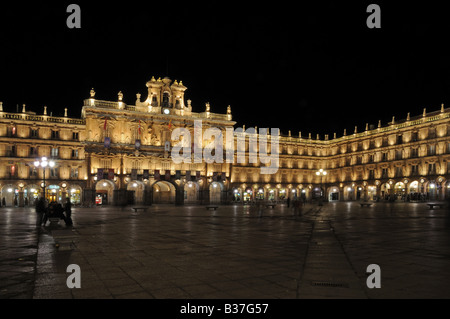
x,y
235,252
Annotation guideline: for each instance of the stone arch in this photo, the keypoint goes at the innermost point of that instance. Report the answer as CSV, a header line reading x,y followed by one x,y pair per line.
x,y
75,192
215,192
104,192
191,192
333,194
8,194
138,188
167,192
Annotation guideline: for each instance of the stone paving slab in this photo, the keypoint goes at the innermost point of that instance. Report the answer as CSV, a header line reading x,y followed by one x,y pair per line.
x,y
187,252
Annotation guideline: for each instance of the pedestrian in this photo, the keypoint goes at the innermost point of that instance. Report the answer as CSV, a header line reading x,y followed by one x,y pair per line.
x,y
59,212
297,208
68,211
40,211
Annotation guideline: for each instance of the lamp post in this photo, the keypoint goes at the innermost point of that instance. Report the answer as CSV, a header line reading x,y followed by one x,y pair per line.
x,y
321,173
43,162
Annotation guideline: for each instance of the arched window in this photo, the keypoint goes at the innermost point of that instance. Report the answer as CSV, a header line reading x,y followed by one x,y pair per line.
x,y
165,101
154,101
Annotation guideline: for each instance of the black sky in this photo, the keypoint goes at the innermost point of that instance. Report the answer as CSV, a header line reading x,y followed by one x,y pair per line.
x,y
312,68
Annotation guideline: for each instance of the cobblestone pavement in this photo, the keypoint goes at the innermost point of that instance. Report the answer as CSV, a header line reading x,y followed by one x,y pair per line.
x,y
235,252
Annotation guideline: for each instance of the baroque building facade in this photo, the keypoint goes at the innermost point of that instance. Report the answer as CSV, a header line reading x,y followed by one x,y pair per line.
x,y
118,153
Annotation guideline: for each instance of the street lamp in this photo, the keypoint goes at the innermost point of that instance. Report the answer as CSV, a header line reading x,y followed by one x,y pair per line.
x,y
321,173
44,163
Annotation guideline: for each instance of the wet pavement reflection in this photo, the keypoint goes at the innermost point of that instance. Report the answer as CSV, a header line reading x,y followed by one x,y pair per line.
x,y
232,253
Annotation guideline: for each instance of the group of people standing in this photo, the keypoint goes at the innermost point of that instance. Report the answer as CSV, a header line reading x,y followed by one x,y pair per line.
x,y
53,210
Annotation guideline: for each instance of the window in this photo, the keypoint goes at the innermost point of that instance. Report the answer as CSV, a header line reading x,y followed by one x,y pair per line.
x,y
371,158
398,172
74,153
106,163
398,155
414,137
33,133
33,151
75,136
154,101
33,172
431,150
432,168
414,170
54,152
360,146
74,172
54,172
12,131
13,171
348,161
165,101
359,159
399,139
11,151
432,133
385,157
55,134
384,173
371,174
414,152
165,166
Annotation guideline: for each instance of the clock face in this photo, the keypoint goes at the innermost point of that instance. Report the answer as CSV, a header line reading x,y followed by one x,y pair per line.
x,y
166,111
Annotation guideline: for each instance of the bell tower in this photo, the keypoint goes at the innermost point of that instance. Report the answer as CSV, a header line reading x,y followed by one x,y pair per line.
x,y
165,97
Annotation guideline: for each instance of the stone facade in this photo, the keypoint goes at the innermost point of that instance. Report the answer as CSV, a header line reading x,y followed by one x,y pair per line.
x,y
118,154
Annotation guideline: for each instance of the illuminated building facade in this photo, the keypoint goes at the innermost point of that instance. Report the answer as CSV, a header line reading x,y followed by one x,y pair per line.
x,y
118,153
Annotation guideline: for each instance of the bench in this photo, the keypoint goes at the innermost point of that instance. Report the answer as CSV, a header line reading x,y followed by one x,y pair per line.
x,y
140,208
366,204
271,205
431,205
212,207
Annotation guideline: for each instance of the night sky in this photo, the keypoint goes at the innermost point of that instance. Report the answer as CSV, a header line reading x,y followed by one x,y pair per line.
x,y
311,68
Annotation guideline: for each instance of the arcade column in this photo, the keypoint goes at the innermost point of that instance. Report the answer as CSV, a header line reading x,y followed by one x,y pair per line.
x,y
21,202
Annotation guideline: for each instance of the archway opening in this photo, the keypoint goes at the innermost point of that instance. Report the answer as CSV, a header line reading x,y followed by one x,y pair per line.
x,y
432,190
237,194
104,192
399,190
137,187
9,195
32,193
74,193
385,190
214,192
371,192
191,192
163,193
53,193
333,194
